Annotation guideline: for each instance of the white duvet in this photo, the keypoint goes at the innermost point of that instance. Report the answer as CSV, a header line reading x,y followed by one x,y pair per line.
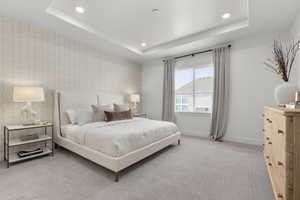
x,y
118,138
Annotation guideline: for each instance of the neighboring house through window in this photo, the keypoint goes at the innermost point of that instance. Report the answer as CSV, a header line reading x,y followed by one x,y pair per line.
x,y
194,84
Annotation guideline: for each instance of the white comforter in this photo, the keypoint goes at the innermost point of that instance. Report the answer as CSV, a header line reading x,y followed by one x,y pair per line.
x,y
117,138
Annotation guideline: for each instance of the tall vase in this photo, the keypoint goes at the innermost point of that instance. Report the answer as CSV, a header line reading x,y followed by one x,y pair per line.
x,y
285,93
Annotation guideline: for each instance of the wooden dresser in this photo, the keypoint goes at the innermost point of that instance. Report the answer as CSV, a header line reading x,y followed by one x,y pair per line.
x,y
282,151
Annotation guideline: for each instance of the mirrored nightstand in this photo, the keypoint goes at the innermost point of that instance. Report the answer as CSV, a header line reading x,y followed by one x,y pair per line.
x,y
12,140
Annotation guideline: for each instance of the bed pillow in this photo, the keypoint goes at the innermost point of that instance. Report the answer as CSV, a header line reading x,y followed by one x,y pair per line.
x,y
99,112
121,107
71,115
84,116
114,116
80,116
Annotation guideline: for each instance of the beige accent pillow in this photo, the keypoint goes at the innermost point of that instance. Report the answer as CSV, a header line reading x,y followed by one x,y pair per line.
x,y
121,107
71,115
99,111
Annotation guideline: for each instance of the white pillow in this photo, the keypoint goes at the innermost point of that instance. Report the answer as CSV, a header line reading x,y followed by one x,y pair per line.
x,y
99,111
84,116
80,116
71,114
121,107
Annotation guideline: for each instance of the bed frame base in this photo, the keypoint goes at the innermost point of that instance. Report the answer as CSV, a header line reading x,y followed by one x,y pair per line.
x,y
117,164
117,174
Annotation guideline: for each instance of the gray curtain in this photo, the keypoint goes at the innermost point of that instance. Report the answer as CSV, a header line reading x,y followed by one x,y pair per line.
x,y
168,113
221,59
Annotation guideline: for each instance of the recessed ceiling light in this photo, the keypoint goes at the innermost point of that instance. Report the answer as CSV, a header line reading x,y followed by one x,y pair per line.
x,y
143,44
226,15
155,10
79,9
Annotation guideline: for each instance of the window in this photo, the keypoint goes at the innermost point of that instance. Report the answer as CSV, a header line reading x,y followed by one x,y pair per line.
x,y
194,84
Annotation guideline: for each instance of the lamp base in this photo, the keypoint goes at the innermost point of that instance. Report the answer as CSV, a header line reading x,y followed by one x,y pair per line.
x,y
28,115
134,108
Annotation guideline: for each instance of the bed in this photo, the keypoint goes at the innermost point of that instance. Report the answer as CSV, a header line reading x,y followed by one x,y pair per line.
x,y
114,145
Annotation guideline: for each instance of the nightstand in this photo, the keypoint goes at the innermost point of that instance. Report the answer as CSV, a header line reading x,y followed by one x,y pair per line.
x,y
45,139
143,115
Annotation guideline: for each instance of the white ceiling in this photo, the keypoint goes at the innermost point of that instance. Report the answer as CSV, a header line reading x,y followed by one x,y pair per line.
x,y
132,22
119,26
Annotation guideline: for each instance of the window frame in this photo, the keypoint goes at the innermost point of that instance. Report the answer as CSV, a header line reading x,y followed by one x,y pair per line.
x,y
194,97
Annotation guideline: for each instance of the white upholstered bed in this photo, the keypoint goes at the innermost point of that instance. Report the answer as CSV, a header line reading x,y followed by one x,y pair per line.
x,y
114,145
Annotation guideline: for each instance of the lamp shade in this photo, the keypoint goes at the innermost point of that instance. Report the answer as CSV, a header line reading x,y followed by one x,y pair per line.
x,y
28,94
135,98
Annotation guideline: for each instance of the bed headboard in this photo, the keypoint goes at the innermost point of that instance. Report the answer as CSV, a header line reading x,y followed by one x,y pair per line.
x,y
82,100
110,98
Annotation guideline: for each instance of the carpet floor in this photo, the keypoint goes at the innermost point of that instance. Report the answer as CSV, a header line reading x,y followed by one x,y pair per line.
x,y
196,170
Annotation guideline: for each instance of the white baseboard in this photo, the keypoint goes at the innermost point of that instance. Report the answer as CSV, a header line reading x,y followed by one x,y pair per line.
x,y
198,134
242,140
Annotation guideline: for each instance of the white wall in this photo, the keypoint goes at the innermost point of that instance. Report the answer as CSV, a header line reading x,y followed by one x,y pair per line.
x,y
252,88
295,34
30,56
152,88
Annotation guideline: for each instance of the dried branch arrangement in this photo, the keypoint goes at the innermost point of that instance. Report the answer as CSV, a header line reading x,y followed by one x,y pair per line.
x,y
284,57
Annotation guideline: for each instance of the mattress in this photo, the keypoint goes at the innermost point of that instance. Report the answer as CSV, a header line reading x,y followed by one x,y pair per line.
x,y
118,138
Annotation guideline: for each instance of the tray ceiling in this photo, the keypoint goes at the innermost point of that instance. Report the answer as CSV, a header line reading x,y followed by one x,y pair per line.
x,y
159,24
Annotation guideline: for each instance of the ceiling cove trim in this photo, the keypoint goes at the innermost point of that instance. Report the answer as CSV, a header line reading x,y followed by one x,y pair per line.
x,y
195,37
77,23
213,32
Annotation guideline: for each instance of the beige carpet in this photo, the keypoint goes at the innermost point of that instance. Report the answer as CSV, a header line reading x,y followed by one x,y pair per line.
x,y
195,170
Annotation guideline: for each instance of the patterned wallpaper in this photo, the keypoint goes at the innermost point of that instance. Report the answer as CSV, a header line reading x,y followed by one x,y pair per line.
x,y
31,56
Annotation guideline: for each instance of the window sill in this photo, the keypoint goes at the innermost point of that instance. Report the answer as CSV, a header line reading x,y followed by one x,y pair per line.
x,y
193,113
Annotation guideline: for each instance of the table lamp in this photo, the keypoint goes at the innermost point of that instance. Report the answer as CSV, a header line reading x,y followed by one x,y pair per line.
x,y
134,99
28,95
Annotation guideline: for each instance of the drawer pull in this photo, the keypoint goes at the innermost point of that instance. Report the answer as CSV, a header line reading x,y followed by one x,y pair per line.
x,y
270,121
279,195
280,131
269,142
270,164
267,138
263,130
280,163
267,157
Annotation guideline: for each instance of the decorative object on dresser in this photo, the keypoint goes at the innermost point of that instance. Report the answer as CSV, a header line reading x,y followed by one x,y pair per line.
x,y
296,104
282,151
28,95
282,64
134,99
12,139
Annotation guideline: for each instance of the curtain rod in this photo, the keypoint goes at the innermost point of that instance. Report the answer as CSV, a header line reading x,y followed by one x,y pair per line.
x,y
195,53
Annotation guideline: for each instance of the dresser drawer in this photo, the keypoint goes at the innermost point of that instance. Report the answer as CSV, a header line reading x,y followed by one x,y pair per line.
x,y
281,151
280,180
268,123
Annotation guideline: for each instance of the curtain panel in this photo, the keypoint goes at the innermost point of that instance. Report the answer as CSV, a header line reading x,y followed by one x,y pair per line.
x,y
168,112
221,59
